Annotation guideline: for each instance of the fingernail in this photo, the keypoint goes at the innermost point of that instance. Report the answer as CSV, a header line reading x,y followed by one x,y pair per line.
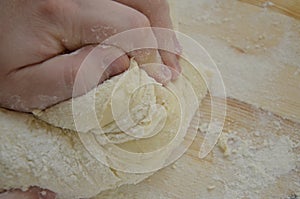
x,y
178,47
176,72
178,67
167,73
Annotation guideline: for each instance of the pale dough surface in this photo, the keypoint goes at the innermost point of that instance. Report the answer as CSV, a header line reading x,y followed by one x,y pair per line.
x,y
44,148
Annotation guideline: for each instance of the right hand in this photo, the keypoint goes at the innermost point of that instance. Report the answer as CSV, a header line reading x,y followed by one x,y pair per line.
x,y
36,35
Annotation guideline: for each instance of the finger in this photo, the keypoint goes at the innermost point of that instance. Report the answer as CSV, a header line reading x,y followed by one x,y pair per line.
x,y
159,72
32,193
52,81
171,60
158,13
94,21
97,21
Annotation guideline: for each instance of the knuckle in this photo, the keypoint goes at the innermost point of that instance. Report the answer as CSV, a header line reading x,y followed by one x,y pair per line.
x,y
55,8
48,7
138,20
160,5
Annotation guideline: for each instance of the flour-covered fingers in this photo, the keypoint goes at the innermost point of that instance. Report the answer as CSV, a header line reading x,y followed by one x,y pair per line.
x,y
158,13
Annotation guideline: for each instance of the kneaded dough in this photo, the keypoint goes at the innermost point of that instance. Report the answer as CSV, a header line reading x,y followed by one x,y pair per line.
x,y
46,148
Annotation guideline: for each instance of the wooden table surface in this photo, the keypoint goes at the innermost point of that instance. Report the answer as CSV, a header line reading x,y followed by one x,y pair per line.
x,y
256,45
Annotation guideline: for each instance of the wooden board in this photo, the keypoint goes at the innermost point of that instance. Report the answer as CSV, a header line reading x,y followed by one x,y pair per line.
x,y
288,7
256,49
256,46
261,163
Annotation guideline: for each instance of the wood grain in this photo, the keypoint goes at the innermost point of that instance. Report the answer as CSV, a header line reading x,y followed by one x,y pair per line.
x,y
217,175
257,50
288,7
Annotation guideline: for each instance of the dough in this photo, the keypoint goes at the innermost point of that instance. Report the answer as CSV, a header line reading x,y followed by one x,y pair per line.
x,y
130,111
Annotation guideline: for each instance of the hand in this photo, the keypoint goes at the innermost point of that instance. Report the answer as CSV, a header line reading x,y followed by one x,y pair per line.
x,y
37,36
43,44
31,193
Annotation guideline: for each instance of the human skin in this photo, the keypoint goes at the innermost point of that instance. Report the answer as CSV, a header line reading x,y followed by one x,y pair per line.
x,y
35,71
38,40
